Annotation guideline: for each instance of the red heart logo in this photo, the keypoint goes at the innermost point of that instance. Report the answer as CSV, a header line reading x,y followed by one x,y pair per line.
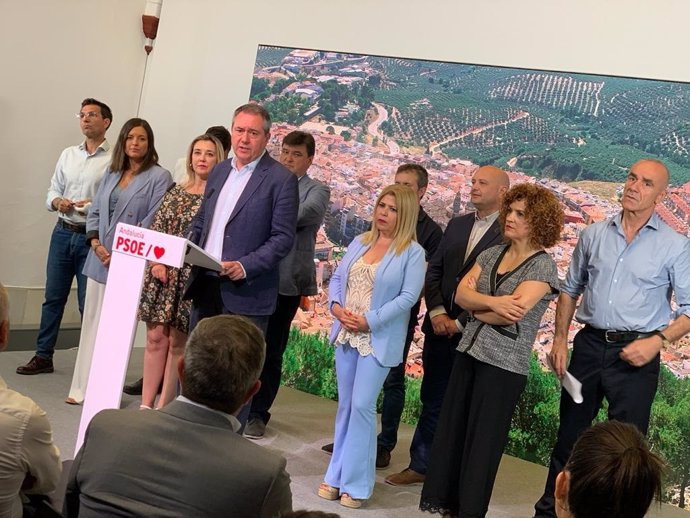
x,y
158,251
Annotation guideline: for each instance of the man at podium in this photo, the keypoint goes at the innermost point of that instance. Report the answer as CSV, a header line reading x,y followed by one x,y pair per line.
x,y
247,221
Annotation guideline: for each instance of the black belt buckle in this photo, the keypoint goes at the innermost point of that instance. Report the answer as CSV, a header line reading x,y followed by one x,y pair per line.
x,y
613,336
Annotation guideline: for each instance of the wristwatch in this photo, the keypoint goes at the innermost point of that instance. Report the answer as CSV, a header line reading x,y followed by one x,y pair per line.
x,y
665,342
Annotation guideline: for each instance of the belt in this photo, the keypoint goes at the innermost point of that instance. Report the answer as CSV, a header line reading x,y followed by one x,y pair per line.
x,y
79,229
612,336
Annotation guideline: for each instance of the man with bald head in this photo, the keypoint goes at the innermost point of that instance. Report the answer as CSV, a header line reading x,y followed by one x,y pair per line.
x,y
624,268
465,237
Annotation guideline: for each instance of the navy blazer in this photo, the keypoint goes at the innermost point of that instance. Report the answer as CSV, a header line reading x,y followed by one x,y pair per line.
x,y
448,266
258,234
397,285
136,206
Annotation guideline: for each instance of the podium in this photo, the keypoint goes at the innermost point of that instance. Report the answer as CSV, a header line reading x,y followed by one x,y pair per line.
x,y
132,247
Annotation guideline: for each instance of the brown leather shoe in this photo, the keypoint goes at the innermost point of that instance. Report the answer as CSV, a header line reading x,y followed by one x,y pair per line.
x,y
407,477
383,457
36,365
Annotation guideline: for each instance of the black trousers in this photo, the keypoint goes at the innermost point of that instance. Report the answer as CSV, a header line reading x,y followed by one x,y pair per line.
x,y
471,436
277,334
394,391
629,391
211,305
437,357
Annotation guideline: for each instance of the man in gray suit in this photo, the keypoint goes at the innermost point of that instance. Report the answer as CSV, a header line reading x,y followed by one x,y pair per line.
x,y
297,273
186,459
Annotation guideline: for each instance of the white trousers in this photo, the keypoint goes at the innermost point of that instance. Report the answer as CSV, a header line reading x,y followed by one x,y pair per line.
x,y
87,339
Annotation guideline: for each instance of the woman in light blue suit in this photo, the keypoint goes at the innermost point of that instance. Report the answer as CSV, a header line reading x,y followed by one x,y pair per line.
x,y
371,294
130,192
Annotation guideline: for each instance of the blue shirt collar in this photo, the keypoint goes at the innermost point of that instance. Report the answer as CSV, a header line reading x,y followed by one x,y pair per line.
x,y
652,222
250,166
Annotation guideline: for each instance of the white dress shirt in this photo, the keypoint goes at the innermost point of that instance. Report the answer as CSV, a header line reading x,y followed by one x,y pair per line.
x,y
481,225
234,422
77,175
227,199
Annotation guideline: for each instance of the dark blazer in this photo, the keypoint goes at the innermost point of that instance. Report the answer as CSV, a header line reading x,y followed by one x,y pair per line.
x,y
447,266
297,269
258,234
180,461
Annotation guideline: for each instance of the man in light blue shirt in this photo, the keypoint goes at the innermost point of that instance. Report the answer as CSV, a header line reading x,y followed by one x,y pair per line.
x,y
625,268
77,174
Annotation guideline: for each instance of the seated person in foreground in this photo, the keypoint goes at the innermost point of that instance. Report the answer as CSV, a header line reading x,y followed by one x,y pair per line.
x,y
610,474
29,461
186,459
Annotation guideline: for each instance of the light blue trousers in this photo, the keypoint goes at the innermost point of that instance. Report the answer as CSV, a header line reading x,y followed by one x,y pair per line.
x,y
353,464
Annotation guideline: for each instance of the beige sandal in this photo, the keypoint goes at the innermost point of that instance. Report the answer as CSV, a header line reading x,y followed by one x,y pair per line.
x,y
353,503
328,492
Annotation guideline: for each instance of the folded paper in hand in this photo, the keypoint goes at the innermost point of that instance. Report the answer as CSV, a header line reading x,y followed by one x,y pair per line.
x,y
569,382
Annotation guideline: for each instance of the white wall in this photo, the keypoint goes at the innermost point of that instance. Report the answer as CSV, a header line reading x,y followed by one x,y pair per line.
x,y
53,55
206,49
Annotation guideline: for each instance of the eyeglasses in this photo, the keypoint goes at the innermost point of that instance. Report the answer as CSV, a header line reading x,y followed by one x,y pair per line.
x,y
84,115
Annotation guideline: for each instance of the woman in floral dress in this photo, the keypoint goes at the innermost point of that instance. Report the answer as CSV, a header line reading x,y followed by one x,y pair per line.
x,y
161,306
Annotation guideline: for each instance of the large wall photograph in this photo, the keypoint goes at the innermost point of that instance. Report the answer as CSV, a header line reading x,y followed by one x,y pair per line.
x,y
573,133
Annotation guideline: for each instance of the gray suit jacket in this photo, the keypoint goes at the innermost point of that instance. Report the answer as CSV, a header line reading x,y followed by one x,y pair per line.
x,y
180,461
137,205
297,270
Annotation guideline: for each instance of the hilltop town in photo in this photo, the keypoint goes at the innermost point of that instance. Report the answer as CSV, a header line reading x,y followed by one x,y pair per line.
x,y
576,134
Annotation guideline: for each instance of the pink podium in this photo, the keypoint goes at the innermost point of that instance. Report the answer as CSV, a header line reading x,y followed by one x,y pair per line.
x,y
133,246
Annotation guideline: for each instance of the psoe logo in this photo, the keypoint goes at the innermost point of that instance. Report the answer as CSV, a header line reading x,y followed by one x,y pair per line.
x,y
138,247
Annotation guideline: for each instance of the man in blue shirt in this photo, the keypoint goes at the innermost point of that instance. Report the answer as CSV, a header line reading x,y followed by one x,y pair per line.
x,y
625,268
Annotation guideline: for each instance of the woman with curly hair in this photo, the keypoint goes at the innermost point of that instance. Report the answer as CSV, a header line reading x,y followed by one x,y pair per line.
x,y
506,293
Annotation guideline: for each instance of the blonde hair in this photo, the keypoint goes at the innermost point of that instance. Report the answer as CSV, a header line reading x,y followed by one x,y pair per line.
x,y
191,175
405,230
